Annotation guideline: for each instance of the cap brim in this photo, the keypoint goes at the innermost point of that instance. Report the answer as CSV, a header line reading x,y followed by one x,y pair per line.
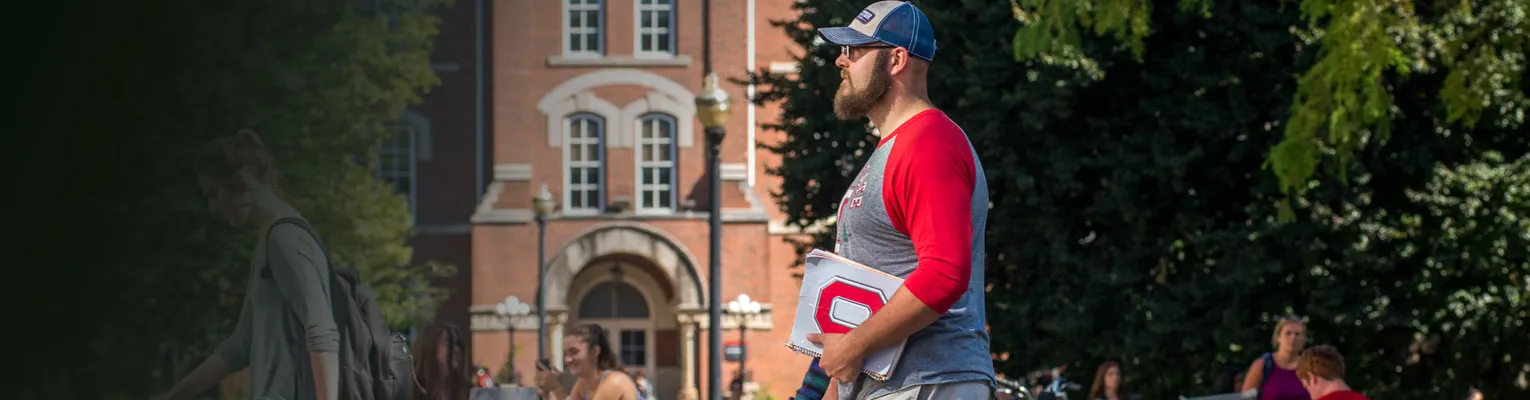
x,y
845,36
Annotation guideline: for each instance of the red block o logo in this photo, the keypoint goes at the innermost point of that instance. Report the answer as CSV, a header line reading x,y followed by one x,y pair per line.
x,y
841,289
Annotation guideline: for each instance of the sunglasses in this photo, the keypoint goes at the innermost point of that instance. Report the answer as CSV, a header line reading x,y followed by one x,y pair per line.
x,y
845,50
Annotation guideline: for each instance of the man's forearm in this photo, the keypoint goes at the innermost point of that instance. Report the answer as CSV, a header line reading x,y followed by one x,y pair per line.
x,y
326,370
903,316
200,379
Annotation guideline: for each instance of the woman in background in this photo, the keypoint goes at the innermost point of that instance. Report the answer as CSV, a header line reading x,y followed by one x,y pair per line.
x,y
1107,383
1290,338
587,354
440,364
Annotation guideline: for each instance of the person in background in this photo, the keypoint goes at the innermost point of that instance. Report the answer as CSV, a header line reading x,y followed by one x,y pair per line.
x,y
484,380
1321,370
1289,338
1107,383
440,364
587,354
644,388
814,383
286,334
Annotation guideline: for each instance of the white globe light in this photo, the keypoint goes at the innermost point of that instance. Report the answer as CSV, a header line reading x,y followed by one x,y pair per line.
x,y
743,298
502,309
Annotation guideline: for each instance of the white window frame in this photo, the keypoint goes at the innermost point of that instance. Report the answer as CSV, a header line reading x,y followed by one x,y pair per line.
x,y
639,143
599,30
410,152
641,34
568,165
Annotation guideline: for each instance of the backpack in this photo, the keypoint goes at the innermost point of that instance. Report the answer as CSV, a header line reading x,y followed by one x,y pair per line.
x,y
375,363
1269,363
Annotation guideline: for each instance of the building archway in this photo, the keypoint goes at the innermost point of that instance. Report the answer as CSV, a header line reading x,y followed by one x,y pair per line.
x,y
642,286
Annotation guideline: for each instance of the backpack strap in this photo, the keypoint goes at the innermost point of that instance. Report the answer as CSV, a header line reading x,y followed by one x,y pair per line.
x,y
1269,365
265,270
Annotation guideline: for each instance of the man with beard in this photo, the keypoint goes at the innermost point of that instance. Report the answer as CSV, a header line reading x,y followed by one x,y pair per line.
x,y
916,211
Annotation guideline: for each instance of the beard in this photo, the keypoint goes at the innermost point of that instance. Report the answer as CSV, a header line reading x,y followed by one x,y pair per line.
x,y
852,104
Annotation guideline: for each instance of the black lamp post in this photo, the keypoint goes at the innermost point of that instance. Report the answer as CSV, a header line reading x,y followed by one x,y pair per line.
x,y
712,109
543,205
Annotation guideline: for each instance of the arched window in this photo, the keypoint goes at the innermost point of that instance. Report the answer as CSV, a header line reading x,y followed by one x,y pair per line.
x,y
656,163
584,155
613,300
399,155
622,310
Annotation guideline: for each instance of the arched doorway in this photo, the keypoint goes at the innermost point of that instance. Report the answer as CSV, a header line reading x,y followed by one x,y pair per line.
x,y
588,279
623,310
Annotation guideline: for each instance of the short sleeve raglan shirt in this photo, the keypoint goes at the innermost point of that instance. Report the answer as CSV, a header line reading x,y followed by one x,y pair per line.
x,y
917,210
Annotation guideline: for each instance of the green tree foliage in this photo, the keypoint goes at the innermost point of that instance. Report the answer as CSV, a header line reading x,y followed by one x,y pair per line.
x,y
1132,219
131,245
1343,100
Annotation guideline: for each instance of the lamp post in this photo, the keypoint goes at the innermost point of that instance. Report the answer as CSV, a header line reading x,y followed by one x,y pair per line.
x,y
743,308
512,307
543,205
712,109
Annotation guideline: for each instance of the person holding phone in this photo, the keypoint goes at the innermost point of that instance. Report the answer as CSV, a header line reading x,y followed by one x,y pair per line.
x,y
588,355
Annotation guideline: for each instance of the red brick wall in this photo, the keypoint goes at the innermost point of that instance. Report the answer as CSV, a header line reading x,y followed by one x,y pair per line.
x,y
757,263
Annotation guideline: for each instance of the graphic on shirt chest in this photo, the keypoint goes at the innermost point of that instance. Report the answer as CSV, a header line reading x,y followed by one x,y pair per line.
x,y
851,201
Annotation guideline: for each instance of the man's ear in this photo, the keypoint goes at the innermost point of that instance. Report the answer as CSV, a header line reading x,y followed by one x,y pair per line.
x,y
898,62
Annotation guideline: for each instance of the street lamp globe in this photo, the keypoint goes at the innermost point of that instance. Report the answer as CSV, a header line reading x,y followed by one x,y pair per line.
x,y
543,203
712,103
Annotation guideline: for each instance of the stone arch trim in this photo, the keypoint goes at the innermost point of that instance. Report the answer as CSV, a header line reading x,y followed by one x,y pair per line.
x,y
559,111
624,237
665,95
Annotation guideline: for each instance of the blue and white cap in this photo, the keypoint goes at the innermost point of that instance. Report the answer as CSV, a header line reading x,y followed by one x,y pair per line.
x,y
893,22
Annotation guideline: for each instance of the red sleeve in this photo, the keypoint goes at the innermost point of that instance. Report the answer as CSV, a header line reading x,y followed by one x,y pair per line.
x,y
928,184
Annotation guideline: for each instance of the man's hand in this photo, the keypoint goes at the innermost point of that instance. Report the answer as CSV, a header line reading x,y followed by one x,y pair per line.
x,y
841,359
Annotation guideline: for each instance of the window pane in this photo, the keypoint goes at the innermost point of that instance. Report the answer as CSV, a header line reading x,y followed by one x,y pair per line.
x,y
576,202
666,128
576,177
591,19
662,20
574,42
663,199
592,198
647,152
591,42
576,153
664,176
647,176
646,17
662,42
592,175
665,154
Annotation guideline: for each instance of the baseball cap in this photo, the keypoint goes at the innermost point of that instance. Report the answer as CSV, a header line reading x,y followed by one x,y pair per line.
x,y
894,22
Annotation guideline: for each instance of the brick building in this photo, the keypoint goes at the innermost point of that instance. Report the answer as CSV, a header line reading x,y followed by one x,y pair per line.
x,y
593,99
